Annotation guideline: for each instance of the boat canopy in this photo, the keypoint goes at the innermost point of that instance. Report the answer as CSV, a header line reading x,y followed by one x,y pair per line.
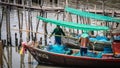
x,y
91,15
73,25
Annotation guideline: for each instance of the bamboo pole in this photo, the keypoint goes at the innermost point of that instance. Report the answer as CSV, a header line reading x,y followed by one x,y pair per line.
x,y
16,39
10,57
6,60
8,25
77,15
29,60
22,61
67,14
31,26
45,31
21,26
1,55
29,19
38,21
64,20
40,14
18,12
1,21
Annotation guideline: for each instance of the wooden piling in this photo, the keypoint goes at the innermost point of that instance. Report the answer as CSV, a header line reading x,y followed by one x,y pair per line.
x,y
22,61
16,39
1,55
31,27
8,25
38,21
45,31
6,60
77,15
18,12
10,57
1,21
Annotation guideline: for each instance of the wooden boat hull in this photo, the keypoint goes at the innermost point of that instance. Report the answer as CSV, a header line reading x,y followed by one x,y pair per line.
x,y
66,60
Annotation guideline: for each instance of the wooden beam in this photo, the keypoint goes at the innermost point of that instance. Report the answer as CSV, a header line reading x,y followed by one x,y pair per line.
x,y
33,7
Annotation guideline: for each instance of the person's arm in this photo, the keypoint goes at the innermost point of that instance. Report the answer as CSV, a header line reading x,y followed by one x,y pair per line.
x,y
52,33
63,32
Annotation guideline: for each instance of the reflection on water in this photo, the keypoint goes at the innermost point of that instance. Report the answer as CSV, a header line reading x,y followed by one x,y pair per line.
x,y
12,59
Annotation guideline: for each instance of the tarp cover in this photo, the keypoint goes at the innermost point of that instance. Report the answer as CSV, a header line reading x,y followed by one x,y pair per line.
x,y
73,25
91,15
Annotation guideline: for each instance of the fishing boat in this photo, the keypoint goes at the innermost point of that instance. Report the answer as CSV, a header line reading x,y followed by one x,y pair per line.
x,y
92,58
72,57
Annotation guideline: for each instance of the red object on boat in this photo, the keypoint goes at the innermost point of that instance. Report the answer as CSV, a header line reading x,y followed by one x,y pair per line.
x,y
116,47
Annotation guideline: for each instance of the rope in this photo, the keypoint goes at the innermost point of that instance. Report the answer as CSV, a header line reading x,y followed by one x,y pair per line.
x,y
44,33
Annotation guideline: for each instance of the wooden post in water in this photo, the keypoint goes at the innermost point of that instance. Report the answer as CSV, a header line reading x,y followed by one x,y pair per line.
x,y
18,12
1,21
8,25
22,61
29,18
1,54
37,27
77,15
16,39
45,31
16,42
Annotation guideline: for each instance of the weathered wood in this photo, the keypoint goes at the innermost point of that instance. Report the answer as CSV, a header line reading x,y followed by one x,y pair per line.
x,y
10,57
29,19
1,55
19,23
1,21
38,21
33,7
77,15
45,31
6,60
22,61
55,8
8,25
16,39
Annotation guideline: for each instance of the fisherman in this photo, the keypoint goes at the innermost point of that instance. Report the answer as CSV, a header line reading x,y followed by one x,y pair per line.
x,y
84,41
58,32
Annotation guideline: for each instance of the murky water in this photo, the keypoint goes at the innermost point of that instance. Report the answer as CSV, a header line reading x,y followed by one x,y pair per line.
x,y
16,60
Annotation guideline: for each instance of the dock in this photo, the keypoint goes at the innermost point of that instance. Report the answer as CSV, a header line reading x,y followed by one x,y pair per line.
x,y
51,8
